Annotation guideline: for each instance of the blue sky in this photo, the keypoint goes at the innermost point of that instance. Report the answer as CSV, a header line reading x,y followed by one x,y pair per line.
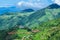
x,y
14,2
8,2
27,3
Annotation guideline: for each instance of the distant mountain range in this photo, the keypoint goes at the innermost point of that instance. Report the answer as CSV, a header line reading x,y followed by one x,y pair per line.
x,y
18,9
29,17
9,9
14,9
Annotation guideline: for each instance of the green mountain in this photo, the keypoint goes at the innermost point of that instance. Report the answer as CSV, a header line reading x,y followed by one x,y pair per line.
x,y
49,13
49,30
43,24
29,19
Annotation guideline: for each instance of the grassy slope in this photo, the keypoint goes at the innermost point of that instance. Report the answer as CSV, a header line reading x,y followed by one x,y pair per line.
x,y
47,31
10,20
50,14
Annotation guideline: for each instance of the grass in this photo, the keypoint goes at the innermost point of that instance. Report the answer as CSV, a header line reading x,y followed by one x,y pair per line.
x,y
47,31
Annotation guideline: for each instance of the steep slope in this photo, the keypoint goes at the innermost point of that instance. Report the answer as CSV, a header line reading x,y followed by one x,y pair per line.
x,y
29,19
49,13
40,16
10,20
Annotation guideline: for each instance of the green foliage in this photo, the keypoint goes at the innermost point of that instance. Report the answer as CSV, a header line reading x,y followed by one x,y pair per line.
x,y
29,19
46,21
3,34
47,31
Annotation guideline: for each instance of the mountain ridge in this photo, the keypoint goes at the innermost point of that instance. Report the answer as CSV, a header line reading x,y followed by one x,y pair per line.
x,y
30,19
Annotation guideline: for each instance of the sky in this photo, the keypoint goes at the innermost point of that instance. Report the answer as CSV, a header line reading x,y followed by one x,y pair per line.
x,y
14,2
28,3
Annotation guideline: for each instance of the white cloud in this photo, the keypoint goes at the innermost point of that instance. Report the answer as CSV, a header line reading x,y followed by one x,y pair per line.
x,y
20,3
27,4
34,4
30,4
56,1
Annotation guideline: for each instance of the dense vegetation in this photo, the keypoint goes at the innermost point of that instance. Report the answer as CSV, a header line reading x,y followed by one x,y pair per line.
x,y
43,24
9,20
46,31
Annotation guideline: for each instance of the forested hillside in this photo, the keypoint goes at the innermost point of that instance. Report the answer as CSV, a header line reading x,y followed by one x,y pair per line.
x,y
43,24
49,30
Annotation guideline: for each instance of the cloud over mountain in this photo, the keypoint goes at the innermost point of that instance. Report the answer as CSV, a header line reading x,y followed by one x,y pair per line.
x,y
34,3
56,1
